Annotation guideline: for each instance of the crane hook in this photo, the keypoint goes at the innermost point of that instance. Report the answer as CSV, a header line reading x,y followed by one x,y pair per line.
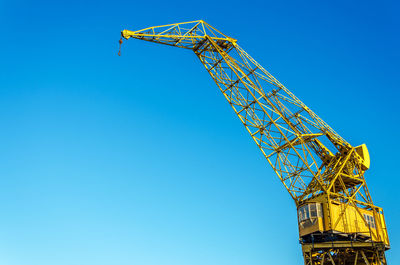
x,y
120,43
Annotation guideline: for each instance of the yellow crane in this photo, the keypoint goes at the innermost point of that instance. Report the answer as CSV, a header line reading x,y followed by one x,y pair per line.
x,y
337,220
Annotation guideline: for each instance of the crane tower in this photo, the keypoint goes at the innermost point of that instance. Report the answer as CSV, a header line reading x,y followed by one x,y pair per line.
x,y
337,221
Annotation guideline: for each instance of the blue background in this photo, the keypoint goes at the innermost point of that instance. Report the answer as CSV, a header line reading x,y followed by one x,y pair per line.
x,y
138,159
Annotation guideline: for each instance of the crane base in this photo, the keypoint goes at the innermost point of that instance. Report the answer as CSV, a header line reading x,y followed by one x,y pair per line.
x,y
344,253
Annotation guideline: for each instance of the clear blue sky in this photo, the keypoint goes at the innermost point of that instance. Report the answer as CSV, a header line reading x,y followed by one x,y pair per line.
x,y
139,160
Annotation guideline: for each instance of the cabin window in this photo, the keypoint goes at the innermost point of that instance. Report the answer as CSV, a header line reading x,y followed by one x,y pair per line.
x,y
370,220
303,213
310,210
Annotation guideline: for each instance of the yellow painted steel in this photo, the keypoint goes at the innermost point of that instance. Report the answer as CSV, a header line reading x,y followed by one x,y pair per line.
x,y
318,168
344,220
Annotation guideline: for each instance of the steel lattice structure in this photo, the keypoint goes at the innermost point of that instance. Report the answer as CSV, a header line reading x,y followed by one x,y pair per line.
x,y
309,157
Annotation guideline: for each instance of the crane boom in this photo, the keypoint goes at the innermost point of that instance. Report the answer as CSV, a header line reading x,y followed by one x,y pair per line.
x,y
316,165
